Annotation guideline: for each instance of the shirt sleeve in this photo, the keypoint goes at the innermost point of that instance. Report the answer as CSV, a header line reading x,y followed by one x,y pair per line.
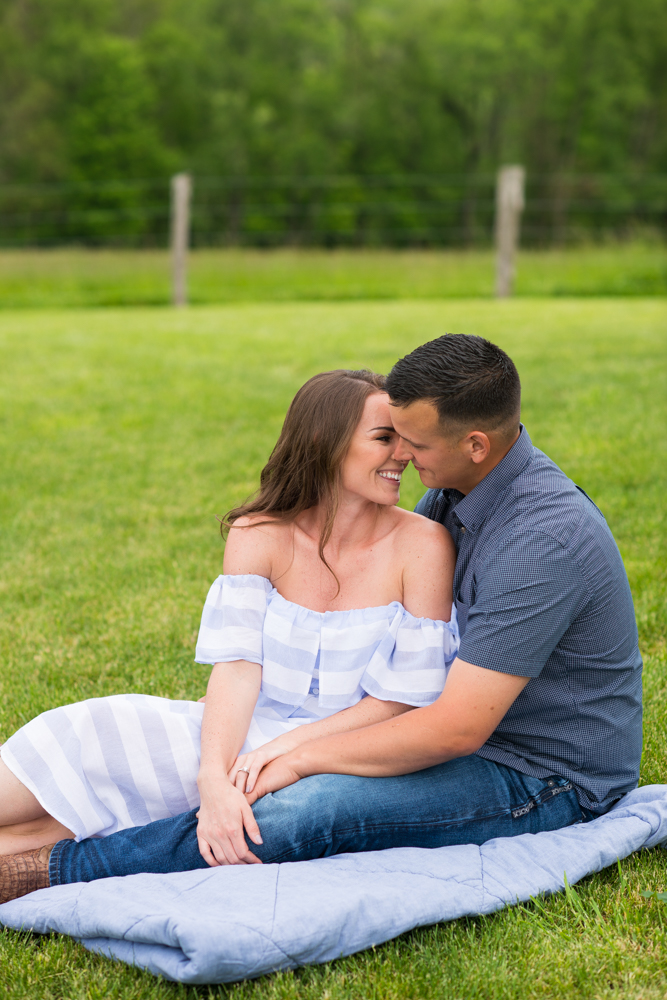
x,y
527,595
411,665
232,622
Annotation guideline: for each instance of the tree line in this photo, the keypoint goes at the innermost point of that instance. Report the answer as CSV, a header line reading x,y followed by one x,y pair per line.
x,y
299,114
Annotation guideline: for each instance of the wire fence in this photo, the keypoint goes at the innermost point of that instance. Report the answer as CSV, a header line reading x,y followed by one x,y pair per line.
x,y
335,211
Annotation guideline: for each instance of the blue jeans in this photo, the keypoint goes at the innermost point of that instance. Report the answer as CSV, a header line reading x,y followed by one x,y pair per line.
x,y
464,801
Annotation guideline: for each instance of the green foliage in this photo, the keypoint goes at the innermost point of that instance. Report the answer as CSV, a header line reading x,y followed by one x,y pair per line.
x,y
292,92
125,432
93,96
108,126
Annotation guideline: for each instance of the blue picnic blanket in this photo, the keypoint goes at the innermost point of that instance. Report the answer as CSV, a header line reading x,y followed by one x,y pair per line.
x,y
223,924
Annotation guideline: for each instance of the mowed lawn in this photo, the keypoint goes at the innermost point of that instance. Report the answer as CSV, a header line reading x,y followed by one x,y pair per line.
x,y
124,433
71,277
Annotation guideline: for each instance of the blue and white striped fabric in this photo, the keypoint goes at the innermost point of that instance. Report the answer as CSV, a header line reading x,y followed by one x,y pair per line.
x,y
383,651
106,764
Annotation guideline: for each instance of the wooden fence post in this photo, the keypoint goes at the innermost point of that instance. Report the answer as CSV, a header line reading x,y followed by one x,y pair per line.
x,y
509,205
181,190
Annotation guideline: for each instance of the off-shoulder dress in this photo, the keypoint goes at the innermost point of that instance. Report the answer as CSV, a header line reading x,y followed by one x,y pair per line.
x,y
106,764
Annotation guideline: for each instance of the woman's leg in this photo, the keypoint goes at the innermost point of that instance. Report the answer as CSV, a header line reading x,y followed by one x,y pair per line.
x,y
24,823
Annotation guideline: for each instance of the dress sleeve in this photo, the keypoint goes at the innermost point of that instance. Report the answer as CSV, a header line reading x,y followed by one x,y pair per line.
x,y
413,665
232,621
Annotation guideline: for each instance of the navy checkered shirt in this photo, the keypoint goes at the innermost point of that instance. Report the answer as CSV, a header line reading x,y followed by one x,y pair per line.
x,y
541,592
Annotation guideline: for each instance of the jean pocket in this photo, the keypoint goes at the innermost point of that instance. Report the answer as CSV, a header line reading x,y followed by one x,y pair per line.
x,y
551,787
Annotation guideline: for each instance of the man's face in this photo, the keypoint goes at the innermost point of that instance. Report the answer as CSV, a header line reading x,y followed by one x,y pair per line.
x,y
436,455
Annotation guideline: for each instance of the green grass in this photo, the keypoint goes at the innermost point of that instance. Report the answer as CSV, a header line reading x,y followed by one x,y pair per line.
x,y
123,433
79,278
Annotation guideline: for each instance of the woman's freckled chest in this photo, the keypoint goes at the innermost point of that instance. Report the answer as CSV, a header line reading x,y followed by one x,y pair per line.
x,y
367,577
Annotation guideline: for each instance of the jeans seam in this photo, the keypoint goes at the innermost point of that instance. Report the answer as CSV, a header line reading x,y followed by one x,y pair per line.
x,y
459,821
297,849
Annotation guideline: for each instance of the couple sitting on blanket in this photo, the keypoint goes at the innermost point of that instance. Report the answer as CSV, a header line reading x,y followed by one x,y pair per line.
x,y
380,678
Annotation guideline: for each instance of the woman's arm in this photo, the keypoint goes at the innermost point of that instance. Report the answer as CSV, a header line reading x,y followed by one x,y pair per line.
x,y
224,813
230,701
366,712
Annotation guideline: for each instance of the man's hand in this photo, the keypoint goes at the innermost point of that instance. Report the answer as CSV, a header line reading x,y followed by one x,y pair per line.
x,y
279,773
254,761
223,816
365,713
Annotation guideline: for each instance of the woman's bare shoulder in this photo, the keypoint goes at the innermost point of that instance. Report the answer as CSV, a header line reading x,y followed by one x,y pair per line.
x,y
415,529
427,555
254,543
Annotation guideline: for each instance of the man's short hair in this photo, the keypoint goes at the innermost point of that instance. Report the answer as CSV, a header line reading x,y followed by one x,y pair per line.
x,y
469,380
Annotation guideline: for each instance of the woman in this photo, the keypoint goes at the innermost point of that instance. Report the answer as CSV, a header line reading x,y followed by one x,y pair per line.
x,y
334,612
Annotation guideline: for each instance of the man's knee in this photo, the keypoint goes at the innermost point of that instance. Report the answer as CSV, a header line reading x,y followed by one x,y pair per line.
x,y
303,813
307,799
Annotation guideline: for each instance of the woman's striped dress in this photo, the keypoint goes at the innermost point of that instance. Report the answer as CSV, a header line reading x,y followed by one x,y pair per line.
x,y
109,763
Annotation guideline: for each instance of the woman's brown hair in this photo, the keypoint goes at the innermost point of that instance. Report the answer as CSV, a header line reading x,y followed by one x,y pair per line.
x,y
303,469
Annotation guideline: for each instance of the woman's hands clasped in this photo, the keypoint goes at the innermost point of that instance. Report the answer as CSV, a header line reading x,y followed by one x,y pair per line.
x,y
225,814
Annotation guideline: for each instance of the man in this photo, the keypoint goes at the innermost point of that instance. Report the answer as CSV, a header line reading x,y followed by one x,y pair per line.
x,y
539,724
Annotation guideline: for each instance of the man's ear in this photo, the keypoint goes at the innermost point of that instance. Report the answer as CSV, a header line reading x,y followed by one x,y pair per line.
x,y
476,446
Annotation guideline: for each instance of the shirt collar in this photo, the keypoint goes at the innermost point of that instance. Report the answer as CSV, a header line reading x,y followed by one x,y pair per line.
x,y
473,508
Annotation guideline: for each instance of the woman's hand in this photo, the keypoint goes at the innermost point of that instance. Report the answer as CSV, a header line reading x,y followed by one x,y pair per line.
x,y
224,815
247,766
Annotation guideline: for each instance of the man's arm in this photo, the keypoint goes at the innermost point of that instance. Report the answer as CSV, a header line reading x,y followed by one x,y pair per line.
x,y
367,712
467,712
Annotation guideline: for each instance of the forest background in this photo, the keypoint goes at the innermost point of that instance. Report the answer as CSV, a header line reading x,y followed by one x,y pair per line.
x,y
330,122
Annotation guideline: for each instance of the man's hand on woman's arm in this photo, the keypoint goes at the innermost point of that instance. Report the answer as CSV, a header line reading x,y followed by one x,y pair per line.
x,y
366,712
467,712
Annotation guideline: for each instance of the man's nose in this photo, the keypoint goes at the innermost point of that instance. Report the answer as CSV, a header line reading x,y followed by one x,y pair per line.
x,y
401,452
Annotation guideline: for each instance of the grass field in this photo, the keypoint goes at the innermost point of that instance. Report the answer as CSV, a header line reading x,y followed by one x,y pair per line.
x,y
79,278
124,432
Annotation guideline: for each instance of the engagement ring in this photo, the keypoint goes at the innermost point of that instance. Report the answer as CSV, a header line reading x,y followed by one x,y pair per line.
x,y
246,769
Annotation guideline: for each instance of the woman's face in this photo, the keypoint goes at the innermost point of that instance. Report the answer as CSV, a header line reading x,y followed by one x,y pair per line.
x,y
368,469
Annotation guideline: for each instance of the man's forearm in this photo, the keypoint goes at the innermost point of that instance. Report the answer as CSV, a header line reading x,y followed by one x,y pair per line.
x,y
367,712
457,724
400,745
